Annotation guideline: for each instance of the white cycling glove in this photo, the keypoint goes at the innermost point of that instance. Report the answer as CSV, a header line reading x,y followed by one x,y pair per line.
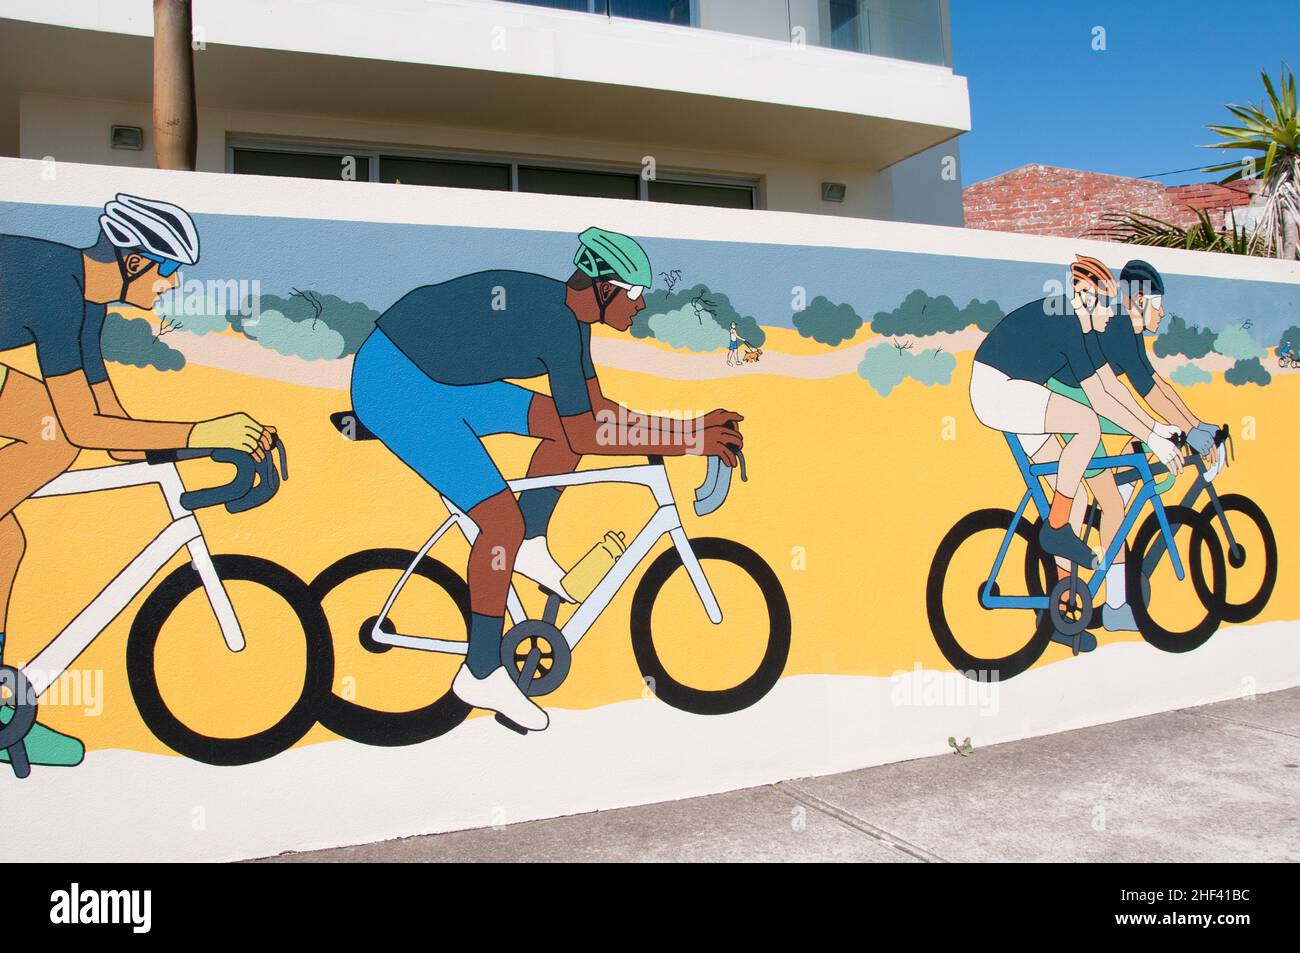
x,y
1165,450
1168,431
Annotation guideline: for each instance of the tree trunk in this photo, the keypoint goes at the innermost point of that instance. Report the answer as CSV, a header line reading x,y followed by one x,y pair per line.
x,y
175,122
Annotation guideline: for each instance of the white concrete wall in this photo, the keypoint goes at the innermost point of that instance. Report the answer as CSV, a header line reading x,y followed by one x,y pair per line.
x,y
126,803
77,130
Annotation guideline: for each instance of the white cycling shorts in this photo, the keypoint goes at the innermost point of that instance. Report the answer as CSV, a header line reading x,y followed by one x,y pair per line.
x,y
1009,405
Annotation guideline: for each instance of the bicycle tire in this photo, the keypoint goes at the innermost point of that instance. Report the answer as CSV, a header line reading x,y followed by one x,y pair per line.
x,y
142,675
1210,596
1246,610
711,701
374,726
969,664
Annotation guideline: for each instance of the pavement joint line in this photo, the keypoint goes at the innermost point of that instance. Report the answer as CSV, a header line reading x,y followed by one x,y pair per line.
x,y
856,823
1240,723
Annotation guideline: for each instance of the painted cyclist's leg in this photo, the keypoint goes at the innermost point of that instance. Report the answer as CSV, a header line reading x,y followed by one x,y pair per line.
x,y
482,682
36,456
1065,416
491,561
1050,452
1116,616
552,456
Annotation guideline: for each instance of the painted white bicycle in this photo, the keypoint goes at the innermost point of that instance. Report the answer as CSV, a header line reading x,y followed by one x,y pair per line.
x,y
537,650
252,485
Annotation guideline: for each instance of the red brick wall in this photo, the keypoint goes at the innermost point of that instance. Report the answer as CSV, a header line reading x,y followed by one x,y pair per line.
x,y
1044,200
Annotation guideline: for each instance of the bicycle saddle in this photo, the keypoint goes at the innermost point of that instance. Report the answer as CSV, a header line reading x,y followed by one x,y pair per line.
x,y
349,424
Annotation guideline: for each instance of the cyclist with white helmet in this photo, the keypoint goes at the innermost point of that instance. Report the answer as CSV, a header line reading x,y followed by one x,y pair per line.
x,y
54,296
434,378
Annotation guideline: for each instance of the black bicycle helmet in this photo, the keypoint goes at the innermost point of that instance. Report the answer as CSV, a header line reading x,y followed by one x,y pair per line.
x,y
1142,275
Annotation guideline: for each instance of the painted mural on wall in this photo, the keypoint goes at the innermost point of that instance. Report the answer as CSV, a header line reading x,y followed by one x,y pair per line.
x,y
482,481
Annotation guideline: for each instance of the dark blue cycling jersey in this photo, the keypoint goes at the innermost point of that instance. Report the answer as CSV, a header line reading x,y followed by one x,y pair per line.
x,y
1037,341
493,326
42,302
1125,352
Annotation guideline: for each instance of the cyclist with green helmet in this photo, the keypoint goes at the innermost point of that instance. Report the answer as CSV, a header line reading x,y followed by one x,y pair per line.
x,y
435,377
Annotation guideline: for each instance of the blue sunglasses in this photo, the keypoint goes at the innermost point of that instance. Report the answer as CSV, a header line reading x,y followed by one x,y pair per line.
x,y
166,267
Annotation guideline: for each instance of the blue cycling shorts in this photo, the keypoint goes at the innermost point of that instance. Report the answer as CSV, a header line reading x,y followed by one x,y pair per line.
x,y
434,428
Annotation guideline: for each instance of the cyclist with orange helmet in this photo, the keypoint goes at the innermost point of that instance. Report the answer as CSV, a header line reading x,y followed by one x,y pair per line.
x,y
1009,392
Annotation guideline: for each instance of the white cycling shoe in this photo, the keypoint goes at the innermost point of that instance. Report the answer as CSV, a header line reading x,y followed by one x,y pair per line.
x,y
498,693
534,560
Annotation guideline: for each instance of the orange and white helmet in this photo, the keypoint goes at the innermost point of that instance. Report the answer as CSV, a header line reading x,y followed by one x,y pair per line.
x,y
1093,274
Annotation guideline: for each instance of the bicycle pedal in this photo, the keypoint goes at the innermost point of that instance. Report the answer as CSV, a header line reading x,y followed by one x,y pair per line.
x,y
503,720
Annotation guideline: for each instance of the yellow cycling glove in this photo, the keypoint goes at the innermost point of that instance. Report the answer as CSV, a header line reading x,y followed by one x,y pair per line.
x,y
233,431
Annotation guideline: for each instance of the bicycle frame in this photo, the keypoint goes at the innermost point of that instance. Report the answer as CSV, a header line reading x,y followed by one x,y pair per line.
x,y
1199,485
1032,474
182,533
665,520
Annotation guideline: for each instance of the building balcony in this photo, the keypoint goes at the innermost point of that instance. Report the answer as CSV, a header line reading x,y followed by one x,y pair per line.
x,y
829,82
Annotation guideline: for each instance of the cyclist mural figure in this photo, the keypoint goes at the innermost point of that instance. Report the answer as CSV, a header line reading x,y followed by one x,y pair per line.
x,y
1141,290
55,296
433,379
1058,337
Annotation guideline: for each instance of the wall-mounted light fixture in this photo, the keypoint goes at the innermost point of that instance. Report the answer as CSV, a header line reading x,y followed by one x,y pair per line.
x,y
127,137
834,191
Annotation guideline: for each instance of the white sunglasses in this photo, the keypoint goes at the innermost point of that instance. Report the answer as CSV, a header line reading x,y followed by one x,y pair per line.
x,y
634,292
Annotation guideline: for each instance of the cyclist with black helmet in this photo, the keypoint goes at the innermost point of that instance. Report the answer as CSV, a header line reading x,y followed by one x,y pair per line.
x,y
434,378
1141,290
55,296
1009,392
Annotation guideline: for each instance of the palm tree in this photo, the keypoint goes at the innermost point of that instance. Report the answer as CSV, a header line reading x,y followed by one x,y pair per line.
x,y
1273,132
1137,228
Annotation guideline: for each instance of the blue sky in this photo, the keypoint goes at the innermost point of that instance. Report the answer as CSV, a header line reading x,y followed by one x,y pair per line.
x,y
1168,68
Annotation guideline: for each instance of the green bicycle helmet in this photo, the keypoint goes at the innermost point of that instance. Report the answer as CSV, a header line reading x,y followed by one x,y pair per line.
x,y
606,254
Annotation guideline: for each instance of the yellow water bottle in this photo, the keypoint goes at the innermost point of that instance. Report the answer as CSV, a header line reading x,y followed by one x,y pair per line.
x,y
582,579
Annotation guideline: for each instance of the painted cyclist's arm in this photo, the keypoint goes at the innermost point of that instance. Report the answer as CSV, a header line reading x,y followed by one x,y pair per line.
x,y
1121,395
1107,406
633,437
86,424
1165,401
110,406
607,409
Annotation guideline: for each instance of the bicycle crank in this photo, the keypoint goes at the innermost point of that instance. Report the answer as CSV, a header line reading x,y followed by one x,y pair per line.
x,y
1070,607
537,657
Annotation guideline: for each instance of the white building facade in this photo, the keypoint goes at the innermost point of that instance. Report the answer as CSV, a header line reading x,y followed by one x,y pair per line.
x,y
841,107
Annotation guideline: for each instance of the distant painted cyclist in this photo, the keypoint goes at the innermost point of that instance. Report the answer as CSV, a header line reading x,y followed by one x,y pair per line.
x,y
1009,392
433,379
54,296
1122,344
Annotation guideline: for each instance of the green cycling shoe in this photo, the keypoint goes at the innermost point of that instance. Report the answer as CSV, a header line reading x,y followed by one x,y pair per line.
x,y
46,746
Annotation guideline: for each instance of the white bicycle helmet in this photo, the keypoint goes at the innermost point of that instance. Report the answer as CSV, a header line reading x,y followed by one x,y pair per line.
x,y
159,229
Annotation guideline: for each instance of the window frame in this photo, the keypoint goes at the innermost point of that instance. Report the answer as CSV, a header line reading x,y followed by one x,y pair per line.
x,y
375,155
591,9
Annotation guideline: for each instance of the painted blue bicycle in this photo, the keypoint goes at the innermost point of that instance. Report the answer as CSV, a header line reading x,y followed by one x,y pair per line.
x,y
964,594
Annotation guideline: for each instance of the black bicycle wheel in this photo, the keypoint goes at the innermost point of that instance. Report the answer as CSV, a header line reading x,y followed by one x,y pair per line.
x,y
711,701
377,726
1037,567
142,674
1257,549
1201,538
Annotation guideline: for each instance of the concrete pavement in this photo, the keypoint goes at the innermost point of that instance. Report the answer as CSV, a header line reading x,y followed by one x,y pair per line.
x,y
1216,783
